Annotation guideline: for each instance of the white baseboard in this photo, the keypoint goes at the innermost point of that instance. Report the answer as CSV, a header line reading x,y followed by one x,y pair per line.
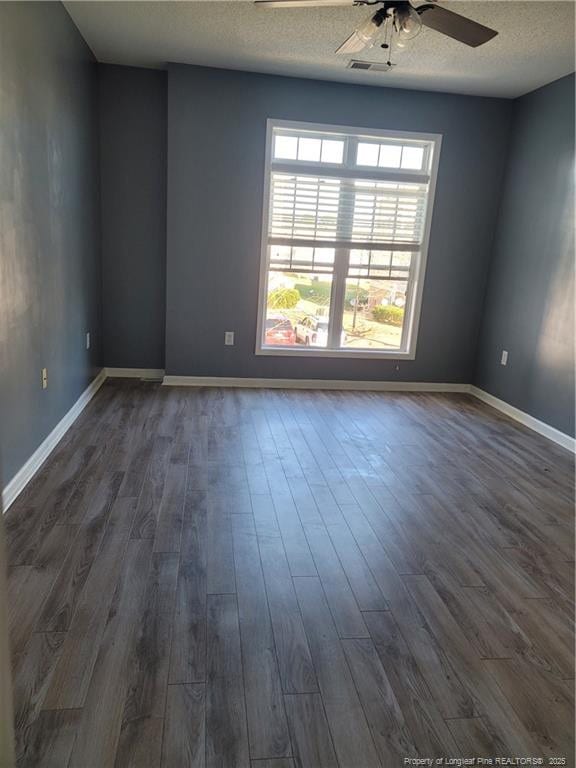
x,y
25,473
134,373
370,386
524,418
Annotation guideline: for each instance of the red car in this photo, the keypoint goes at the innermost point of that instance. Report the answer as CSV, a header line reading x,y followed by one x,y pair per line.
x,y
279,331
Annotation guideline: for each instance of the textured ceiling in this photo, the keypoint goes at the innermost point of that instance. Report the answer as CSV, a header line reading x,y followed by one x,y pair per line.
x,y
535,44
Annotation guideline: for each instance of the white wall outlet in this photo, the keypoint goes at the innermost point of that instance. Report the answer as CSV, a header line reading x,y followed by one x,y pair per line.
x,y
44,378
229,338
504,358
88,340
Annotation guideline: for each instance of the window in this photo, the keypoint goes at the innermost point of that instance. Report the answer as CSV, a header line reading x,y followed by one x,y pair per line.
x,y
346,224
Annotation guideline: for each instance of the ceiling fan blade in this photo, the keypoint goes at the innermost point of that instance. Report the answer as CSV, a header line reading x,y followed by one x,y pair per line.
x,y
301,3
352,44
455,26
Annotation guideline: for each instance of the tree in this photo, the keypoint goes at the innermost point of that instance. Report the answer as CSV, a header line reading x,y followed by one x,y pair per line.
x,y
283,298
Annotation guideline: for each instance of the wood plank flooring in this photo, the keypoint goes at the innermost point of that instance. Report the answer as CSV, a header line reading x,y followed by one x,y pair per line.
x,y
223,578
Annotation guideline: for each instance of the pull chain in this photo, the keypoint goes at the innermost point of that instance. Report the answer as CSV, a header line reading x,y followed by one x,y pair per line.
x,y
387,44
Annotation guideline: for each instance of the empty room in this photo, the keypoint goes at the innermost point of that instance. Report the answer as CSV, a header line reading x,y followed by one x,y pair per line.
x,y
287,383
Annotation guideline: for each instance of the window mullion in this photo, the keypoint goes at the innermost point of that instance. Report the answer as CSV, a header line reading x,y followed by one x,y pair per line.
x,y
338,297
350,152
408,307
342,256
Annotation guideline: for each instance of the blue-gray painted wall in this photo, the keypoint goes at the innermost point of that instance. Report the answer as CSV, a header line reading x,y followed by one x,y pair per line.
x,y
529,305
50,282
216,147
133,174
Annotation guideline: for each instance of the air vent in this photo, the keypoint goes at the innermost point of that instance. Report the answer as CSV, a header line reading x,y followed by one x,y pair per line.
x,y
373,66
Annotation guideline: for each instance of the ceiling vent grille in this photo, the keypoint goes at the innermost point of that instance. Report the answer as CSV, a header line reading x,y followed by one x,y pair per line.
x,y
372,66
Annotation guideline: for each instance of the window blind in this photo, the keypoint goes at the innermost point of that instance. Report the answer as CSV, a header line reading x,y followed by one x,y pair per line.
x,y
323,209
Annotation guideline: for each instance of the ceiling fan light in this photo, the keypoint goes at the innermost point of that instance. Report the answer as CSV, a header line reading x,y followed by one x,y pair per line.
x,y
365,35
407,23
369,29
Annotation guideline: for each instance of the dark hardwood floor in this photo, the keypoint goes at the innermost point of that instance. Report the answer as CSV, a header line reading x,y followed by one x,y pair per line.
x,y
290,579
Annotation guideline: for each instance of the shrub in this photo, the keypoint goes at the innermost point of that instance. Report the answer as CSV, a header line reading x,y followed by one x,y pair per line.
x,y
389,315
283,298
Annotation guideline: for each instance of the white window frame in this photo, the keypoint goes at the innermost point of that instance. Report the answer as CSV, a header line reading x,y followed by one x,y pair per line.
x,y
413,306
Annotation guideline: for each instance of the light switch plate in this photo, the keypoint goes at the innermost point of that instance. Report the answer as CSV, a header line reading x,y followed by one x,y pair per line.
x,y
229,338
504,358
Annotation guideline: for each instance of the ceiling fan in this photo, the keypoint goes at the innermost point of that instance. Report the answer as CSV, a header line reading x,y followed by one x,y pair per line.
x,y
405,20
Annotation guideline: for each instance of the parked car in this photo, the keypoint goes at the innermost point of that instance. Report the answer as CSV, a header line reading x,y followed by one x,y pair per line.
x,y
313,331
279,331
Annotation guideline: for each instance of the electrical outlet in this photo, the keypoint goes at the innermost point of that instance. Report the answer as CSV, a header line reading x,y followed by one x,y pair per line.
x,y
504,358
88,340
229,338
44,378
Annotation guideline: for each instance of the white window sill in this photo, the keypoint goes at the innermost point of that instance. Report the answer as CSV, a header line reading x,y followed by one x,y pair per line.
x,y
316,352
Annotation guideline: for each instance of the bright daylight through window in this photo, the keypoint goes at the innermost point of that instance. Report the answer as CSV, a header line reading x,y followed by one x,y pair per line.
x,y
347,216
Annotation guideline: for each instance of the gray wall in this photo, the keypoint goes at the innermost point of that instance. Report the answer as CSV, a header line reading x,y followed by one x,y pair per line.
x,y
49,235
133,177
216,138
529,307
